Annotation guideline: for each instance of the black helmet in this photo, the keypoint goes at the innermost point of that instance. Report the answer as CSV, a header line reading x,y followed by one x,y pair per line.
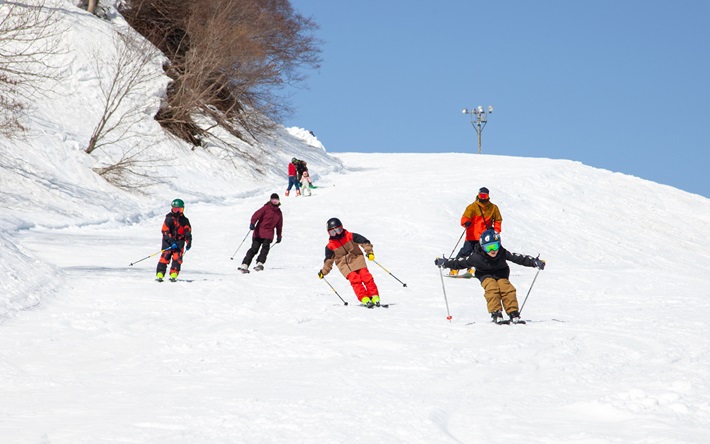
x,y
334,222
489,237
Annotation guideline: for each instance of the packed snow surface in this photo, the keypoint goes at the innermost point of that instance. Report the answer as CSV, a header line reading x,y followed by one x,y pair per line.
x,y
93,350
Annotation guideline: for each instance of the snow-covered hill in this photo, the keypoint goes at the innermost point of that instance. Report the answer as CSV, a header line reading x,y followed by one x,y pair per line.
x,y
95,351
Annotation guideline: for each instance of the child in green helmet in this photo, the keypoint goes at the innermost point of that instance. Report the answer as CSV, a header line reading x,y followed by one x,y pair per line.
x,y
177,237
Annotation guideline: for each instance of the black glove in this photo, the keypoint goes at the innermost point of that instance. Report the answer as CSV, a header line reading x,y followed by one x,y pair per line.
x,y
188,246
278,239
539,263
440,261
467,224
320,274
251,227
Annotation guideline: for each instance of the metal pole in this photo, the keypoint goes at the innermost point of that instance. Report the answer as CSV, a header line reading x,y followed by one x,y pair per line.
x,y
529,290
480,130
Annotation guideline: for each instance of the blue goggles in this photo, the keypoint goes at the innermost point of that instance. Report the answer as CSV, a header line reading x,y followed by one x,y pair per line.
x,y
491,247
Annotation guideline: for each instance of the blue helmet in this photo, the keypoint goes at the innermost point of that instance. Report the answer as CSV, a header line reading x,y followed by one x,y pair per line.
x,y
490,240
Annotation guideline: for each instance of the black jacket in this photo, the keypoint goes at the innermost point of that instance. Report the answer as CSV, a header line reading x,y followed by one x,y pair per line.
x,y
490,267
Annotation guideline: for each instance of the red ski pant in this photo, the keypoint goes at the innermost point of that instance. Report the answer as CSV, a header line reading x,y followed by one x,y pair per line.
x,y
363,283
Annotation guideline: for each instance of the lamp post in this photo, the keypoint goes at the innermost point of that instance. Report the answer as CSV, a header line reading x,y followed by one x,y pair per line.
x,y
479,118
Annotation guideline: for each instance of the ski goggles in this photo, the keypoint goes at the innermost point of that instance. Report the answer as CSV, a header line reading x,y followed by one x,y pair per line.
x,y
335,231
177,210
491,247
275,201
483,196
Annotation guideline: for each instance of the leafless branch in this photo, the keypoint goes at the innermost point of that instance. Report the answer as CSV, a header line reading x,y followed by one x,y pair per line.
x,y
29,40
128,76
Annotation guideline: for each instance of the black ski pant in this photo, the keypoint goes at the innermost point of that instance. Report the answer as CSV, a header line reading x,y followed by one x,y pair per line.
x,y
467,248
256,243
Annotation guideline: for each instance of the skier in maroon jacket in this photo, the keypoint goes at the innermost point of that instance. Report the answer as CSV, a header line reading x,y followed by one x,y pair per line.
x,y
263,222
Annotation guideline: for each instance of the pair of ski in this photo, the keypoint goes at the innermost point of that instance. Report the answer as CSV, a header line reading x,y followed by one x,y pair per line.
x,y
246,270
371,306
508,322
163,280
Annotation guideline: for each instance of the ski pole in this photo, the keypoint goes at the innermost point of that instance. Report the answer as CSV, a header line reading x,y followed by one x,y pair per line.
x,y
457,243
147,257
240,245
403,284
331,287
448,314
530,289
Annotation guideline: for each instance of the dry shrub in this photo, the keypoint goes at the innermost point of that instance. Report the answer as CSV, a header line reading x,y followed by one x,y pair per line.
x,y
229,59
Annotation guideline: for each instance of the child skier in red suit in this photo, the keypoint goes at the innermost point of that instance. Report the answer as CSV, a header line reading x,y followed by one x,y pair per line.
x,y
345,250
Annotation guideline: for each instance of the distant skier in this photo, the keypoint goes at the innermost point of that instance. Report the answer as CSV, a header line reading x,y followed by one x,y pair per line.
x,y
490,262
345,250
177,235
292,177
479,216
306,183
264,221
301,166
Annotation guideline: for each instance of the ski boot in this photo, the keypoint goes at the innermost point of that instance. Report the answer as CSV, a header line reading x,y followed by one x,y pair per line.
x,y
515,317
497,317
173,277
159,277
453,272
244,268
259,267
376,300
367,302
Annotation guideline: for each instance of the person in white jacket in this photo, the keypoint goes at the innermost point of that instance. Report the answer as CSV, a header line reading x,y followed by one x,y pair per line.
x,y
306,183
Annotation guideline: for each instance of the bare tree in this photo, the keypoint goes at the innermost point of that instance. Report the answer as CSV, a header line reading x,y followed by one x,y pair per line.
x,y
122,89
134,170
228,60
29,37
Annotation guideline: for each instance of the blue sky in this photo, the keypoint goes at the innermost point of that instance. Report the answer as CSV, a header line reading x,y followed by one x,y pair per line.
x,y
621,85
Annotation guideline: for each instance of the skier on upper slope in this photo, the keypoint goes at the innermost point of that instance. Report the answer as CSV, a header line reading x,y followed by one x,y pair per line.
x,y
345,250
292,178
490,262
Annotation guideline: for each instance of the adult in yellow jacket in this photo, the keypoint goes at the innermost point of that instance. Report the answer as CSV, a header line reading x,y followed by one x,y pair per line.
x,y
479,216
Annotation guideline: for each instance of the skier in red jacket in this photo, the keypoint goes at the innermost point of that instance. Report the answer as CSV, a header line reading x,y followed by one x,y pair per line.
x,y
293,177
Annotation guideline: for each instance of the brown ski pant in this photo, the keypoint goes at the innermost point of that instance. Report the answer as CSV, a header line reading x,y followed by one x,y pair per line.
x,y
500,294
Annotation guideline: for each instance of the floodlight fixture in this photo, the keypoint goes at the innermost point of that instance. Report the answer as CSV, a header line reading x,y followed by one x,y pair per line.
x,y
479,121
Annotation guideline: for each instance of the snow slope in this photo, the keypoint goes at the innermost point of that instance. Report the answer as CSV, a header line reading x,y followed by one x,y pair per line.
x,y
92,350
